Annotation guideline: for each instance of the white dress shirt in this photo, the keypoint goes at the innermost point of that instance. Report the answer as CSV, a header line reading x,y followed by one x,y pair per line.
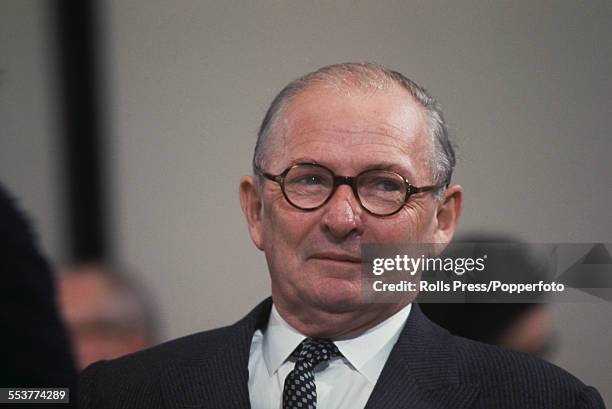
x,y
345,383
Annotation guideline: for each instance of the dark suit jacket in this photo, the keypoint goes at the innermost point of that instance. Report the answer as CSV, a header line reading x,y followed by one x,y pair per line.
x,y
36,350
427,368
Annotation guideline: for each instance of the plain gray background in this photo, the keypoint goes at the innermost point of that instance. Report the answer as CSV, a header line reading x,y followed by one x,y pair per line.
x,y
525,87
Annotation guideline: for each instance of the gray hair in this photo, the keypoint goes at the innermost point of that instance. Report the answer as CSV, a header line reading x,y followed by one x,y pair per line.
x,y
372,76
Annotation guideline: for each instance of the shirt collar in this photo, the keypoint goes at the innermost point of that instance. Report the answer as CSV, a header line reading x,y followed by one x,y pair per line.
x,y
279,341
367,352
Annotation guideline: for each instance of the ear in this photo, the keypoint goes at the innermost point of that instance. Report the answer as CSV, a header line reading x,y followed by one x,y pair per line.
x,y
250,201
448,214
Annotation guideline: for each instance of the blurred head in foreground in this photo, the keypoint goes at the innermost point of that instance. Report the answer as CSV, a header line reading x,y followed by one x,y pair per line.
x,y
525,327
107,312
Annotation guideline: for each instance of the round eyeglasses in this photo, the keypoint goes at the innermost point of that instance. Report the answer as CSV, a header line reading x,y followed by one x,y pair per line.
x,y
309,186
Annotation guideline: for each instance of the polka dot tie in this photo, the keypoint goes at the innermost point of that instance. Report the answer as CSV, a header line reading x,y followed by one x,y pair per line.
x,y
300,391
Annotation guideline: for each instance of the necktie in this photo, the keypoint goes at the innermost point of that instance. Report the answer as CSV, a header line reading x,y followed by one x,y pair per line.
x,y
300,391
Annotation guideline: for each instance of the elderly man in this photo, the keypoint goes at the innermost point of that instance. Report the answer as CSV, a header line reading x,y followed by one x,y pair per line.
x,y
349,154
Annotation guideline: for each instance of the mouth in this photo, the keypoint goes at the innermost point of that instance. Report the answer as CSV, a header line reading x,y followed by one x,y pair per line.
x,y
337,257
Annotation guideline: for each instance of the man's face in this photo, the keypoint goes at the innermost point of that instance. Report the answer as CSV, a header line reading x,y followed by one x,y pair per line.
x,y
314,256
90,310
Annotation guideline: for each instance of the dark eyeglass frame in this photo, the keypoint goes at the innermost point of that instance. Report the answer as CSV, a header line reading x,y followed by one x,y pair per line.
x,y
346,180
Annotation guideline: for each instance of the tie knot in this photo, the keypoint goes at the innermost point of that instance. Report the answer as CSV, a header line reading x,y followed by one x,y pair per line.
x,y
315,351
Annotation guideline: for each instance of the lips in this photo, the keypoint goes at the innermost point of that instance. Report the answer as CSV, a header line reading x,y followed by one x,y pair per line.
x,y
337,256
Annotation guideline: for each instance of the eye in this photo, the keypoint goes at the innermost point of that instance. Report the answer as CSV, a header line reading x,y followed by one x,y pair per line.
x,y
388,185
310,180
308,177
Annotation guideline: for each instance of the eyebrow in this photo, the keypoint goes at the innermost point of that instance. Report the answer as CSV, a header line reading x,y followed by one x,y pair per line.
x,y
392,167
389,166
305,159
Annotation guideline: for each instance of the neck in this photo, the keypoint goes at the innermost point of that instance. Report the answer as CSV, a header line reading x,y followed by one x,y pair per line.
x,y
320,323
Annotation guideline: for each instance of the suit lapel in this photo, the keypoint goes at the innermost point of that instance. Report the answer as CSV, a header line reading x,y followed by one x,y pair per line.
x,y
218,377
421,371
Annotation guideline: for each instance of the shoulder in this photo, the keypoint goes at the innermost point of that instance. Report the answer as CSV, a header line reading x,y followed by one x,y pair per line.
x,y
185,348
136,377
531,381
137,380
176,368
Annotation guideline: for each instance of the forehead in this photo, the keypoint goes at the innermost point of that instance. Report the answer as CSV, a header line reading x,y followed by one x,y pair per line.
x,y
350,131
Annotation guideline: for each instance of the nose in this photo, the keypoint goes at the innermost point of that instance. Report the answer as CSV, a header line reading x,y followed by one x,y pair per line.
x,y
343,214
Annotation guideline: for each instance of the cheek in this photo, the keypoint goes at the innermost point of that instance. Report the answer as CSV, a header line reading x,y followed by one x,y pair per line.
x,y
273,225
284,230
412,224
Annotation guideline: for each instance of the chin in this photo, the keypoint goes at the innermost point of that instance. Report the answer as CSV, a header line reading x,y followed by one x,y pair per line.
x,y
339,296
